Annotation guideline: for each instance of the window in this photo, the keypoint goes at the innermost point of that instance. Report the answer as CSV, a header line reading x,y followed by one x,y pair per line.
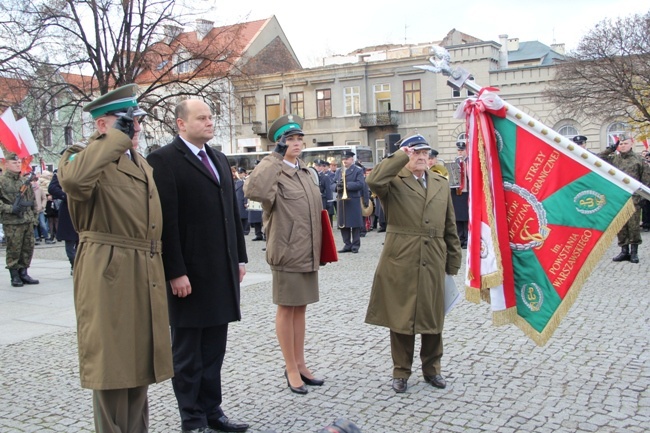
x,y
457,93
272,106
216,108
248,109
323,103
615,130
185,63
297,103
352,98
67,135
47,137
569,131
469,92
412,95
380,146
382,97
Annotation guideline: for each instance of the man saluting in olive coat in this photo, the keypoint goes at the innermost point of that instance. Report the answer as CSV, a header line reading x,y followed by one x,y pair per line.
x,y
119,281
421,247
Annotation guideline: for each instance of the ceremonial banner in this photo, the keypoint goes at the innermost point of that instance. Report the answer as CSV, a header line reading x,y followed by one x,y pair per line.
x,y
543,211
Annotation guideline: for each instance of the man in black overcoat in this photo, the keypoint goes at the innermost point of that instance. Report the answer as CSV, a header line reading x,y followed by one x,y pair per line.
x,y
204,255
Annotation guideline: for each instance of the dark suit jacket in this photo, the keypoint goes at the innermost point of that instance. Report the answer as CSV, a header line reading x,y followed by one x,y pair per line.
x,y
202,235
65,230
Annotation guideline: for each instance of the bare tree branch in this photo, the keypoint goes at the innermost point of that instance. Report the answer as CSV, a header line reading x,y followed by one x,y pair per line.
x,y
609,73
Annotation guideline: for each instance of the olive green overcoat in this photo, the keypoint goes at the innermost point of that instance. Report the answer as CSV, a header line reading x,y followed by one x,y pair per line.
x,y
119,281
421,246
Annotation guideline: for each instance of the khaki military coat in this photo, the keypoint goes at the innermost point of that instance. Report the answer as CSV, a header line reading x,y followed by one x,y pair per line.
x,y
119,281
421,246
292,213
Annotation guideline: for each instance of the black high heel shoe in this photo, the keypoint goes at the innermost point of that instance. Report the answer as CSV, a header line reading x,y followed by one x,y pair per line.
x,y
297,389
313,381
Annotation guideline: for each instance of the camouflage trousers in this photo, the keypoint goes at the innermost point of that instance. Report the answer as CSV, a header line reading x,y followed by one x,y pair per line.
x,y
631,231
20,245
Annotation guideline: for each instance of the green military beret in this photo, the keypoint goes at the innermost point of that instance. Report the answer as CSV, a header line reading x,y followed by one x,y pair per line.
x,y
115,101
289,124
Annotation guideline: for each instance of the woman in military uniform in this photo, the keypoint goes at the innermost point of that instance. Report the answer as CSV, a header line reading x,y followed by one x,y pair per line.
x,y
292,205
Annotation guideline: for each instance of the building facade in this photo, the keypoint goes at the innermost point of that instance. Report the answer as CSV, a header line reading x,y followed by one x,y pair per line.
x,y
363,97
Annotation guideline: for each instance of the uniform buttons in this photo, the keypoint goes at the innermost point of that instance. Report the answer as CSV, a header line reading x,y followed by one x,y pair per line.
x,y
154,284
153,226
426,242
424,264
426,221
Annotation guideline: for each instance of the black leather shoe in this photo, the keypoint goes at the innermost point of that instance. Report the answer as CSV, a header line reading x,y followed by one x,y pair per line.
x,y
355,251
258,238
313,381
400,385
225,424
297,389
438,381
345,251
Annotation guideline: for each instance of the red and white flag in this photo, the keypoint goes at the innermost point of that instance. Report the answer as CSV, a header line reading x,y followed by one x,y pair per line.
x,y
9,135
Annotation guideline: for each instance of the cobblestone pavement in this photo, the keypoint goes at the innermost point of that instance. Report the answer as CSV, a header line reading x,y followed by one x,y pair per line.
x,y
592,376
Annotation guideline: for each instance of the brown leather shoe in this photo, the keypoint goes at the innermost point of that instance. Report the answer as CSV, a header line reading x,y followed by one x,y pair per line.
x,y
399,385
438,381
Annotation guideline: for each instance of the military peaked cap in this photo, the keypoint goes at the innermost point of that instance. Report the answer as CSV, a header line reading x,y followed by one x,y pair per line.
x,y
115,102
289,124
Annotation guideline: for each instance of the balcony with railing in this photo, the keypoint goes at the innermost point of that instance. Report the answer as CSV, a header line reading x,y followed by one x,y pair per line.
x,y
385,118
259,128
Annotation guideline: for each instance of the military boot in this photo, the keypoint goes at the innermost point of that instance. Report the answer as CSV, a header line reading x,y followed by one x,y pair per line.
x,y
26,278
624,255
15,278
634,253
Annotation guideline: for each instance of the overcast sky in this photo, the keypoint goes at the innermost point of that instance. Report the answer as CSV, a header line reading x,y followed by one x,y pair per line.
x,y
321,28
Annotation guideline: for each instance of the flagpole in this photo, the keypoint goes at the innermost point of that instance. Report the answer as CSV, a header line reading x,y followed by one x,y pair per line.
x,y
459,78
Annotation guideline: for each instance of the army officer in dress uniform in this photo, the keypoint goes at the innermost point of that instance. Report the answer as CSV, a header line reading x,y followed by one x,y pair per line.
x,y
119,281
349,217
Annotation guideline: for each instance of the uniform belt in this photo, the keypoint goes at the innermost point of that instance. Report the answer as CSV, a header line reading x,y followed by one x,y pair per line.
x,y
152,246
415,231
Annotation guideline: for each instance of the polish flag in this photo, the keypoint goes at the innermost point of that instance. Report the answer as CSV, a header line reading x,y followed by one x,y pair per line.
x,y
9,135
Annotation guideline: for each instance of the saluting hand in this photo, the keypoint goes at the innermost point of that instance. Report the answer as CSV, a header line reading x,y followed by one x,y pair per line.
x,y
181,286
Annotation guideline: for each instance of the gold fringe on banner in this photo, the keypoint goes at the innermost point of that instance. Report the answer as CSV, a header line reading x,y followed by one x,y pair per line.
x,y
492,280
504,317
472,294
541,338
496,278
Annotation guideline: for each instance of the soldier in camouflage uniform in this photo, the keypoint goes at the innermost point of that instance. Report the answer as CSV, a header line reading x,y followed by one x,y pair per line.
x,y
629,237
17,216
